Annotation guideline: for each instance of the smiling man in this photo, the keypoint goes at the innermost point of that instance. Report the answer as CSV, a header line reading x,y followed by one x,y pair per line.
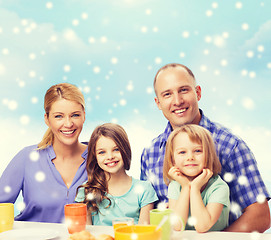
x,y
177,96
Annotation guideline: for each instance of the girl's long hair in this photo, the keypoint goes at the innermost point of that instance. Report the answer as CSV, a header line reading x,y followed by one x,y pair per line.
x,y
54,93
96,187
196,134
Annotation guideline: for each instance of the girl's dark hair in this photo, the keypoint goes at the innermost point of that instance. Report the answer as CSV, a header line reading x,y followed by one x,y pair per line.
x,y
96,187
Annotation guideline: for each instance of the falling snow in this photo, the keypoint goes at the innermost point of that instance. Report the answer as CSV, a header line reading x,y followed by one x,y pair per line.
x,y
113,57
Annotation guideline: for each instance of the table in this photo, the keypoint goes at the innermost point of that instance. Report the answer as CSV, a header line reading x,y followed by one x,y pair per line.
x,y
63,234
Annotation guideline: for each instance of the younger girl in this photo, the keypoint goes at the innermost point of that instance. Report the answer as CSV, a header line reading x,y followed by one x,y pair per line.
x,y
196,193
109,191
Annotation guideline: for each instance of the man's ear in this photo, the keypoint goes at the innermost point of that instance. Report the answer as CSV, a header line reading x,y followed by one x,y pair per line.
x,y
157,102
198,91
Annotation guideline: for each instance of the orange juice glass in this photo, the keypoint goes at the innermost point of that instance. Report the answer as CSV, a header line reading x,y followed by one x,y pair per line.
x,y
75,217
121,222
138,232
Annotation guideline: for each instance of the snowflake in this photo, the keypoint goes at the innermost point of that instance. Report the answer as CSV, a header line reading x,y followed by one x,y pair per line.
x,y
34,156
144,29
84,16
32,74
40,176
235,208
158,60
5,51
32,56
75,22
248,103
148,11
182,54
260,48
155,29
209,13
149,90
162,206
49,5
103,39
214,5
20,206
250,54
96,69
24,119
238,5
12,105
192,221
242,180
91,40
86,89
7,189
228,177
130,86
67,68
255,235
185,34
261,198
90,196
139,189
245,26
114,60
134,236
123,102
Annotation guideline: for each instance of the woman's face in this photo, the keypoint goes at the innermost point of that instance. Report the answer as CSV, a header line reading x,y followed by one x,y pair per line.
x,y
66,119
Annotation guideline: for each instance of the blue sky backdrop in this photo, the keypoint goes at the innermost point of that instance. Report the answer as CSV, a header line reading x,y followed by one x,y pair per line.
x,y
112,51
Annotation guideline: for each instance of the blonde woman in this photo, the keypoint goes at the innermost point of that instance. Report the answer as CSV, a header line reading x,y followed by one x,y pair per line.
x,y
49,173
195,192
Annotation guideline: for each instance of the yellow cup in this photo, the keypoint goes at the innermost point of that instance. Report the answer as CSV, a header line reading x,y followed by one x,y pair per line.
x,y
138,232
6,216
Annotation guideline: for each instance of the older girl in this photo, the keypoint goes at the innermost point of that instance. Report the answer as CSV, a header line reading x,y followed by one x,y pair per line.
x,y
196,192
109,191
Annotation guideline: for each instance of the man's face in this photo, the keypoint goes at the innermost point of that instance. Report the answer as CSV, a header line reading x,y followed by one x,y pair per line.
x,y
178,96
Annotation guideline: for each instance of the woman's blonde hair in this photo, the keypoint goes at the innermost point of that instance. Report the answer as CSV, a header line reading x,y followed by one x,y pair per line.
x,y
97,182
54,93
196,134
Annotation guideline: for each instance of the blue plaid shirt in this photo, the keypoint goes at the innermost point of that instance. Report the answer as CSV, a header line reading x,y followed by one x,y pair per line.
x,y
239,167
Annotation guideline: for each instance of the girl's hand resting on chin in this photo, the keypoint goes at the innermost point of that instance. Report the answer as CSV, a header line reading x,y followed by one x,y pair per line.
x,y
176,175
202,179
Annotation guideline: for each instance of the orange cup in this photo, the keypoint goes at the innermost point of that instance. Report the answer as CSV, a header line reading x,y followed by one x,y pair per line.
x,y
75,217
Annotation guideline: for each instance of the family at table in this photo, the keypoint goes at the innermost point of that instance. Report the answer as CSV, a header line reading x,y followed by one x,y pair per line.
x,y
194,167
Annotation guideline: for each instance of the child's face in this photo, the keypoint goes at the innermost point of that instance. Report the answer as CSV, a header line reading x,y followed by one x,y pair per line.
x,y
108,155
188,155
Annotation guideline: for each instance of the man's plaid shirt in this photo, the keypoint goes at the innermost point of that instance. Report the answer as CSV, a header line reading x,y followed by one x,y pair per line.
x,y
239,167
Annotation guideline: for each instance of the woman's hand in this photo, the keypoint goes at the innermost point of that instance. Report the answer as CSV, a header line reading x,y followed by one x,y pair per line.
x,y
176,174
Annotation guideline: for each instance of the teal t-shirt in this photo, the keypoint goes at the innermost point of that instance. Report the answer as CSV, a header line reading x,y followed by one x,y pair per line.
x,y
216,191
129,204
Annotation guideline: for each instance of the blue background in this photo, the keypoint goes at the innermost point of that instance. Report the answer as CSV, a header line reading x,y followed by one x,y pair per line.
x,y
112,51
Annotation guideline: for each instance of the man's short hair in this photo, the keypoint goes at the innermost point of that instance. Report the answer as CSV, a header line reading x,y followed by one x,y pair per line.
x,y
172,65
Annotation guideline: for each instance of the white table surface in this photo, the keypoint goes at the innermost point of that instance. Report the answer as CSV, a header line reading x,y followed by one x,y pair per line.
x,y
63,234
